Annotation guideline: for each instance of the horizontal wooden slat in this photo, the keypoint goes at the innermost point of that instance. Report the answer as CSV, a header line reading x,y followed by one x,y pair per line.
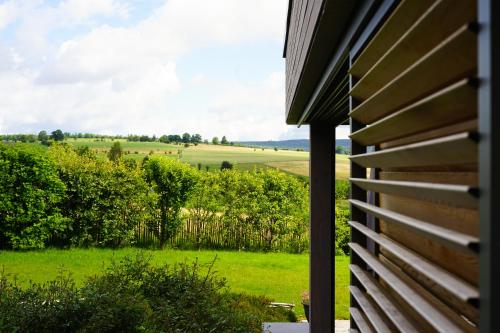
x,y
421,306
363,325
447,281
449,237
384,301
403,16
455,195
453,104
456,149
453,59
376,320
451,306
442,19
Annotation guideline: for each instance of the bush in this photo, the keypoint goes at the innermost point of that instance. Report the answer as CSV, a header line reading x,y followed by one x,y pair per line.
x,y
259,210
104,201
173,181
226,165
342,189
29,198
342,229
134,296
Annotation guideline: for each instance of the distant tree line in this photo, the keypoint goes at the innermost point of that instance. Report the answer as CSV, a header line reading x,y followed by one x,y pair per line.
x,y
58,135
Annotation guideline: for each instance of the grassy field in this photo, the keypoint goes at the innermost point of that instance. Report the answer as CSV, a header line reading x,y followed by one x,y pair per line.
x,y
280,276
245,158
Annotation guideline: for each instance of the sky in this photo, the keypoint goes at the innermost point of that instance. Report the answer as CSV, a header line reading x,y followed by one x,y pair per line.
x,y
212,67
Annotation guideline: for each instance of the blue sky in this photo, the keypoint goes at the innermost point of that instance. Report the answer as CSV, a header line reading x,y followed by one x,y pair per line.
x,y
145,66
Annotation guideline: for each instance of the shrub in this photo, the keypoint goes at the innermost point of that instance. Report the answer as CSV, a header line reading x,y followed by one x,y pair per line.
x,y
134,296
226,165
173,181
342,189
29,198
342,229
104,201
116,152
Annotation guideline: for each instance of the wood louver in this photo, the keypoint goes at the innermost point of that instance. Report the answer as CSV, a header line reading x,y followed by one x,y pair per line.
x,y
413,111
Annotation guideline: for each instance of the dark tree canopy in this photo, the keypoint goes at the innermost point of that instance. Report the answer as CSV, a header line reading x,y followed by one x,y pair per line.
x,y
226,165
57,135
43,136
116,152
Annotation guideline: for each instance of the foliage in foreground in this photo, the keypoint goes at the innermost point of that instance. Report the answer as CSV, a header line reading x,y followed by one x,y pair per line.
x,y
67,197
30,197
134,296
173,182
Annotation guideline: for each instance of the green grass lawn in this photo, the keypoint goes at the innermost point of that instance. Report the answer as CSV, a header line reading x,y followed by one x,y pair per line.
x,y
279,276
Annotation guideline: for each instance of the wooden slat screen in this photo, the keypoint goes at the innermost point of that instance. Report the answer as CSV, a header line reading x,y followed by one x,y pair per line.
x,y
413,93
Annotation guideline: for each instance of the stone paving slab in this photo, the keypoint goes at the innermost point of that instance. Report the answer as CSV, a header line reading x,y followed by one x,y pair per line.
x,y
341,326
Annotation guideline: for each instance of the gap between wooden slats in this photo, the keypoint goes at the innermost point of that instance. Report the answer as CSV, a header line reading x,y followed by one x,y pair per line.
x,y
421,306
455,195
457,149
465,324
453,239
360,320
384,301
451,289
403,16
377,320
453,104
442,19
453,59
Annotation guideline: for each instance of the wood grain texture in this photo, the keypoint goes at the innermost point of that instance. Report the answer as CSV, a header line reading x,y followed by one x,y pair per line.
x,y
464,126
360,320
377,319
450,105
441,20
439,305
402,18
456,240
465,308
460,289
456,195
455,58
419,304
384,301
455,149
464,265
459,219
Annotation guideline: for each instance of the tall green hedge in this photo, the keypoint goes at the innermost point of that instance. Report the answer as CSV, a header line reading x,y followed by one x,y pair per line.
x,y
30,197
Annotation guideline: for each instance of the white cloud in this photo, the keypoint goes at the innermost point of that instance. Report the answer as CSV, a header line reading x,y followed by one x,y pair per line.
x,y
9,12
123,79
81,10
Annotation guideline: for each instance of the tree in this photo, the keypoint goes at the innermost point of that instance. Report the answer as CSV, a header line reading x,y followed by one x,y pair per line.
x,y
186,137
173,181
43,137
282,205
104,201
57,135
215,140
226,165
30,197
196,138
224,140
116,152
339,150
